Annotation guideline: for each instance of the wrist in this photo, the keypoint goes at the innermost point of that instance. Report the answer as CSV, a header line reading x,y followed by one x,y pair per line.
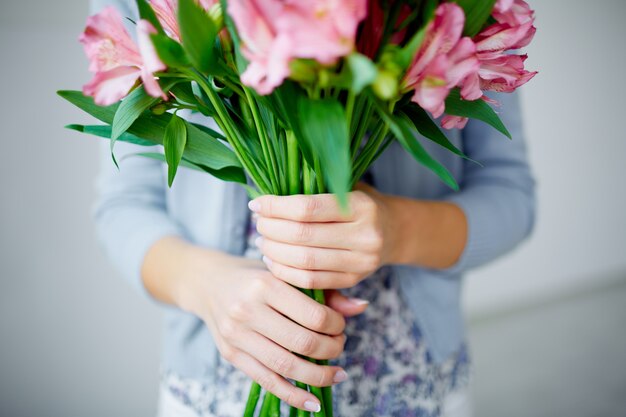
x,y
403,239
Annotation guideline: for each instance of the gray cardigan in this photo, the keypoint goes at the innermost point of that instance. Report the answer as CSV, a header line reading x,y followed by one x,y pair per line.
x,y
135,208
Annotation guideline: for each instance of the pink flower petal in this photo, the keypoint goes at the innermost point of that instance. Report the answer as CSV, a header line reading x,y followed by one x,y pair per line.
x,y
111,86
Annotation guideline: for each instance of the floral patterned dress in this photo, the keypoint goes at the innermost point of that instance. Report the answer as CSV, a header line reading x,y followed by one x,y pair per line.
x,y
391,372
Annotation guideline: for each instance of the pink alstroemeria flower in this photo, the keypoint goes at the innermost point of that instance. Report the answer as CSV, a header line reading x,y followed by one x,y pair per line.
x,y
443,62
512,12
500,71
167,12
274,32
115,59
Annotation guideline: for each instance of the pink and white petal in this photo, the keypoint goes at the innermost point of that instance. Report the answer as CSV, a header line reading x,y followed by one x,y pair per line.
x,y
453,122
470,88
151,85
151,60
111,86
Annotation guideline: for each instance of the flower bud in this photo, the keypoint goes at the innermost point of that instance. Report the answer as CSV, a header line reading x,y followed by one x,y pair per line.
x,y
215,12
302,70
159,109
385,85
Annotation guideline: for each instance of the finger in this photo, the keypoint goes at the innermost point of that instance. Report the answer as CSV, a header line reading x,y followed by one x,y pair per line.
x,y
305,311
274,383
305,278
347,306
296,338
321,235
303,208
287,364
320,259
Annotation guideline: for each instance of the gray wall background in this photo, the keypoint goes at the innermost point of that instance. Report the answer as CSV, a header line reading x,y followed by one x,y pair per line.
x,y
76,341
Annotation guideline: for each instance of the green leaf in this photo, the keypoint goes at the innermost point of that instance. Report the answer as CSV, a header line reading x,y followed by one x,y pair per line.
x,y
129,110
324,128
171,52
363,71
401,128
478,109
231,174
240,60
146,13
477,13
422,122
104,131
406,55
202,148
174,141
198,33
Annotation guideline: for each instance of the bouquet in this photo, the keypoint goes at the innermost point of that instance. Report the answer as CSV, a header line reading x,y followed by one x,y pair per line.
x,y
307,94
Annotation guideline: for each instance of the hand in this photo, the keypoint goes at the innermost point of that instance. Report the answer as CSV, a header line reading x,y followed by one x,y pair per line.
x,y
309,242
259,323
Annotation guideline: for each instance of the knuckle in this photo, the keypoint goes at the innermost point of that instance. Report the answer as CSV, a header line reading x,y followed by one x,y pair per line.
x,y
323,377
373,240
269,381
353,279
228,330
309,207
239,311
305,344
308,279
282,364
372,262
259,285
303,233
307,259
319,317
228,353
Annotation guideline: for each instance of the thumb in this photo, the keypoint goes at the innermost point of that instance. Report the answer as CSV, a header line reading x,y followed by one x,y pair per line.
x,y
347,306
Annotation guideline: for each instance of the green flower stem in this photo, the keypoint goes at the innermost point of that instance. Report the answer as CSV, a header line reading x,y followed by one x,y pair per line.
x,y
268,154
267,403
366,113
253,399
367,158
293,163
231,132
293,411
274,410
319,176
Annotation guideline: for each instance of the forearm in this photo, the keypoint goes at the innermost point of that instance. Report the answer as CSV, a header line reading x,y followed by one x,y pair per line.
x,y
428,234
172,265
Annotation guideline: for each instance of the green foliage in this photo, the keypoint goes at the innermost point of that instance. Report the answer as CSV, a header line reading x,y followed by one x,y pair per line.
x,y
477,109
423,124
477,13
171,52
202,148
146,13
324,128
402,128
198,33
362,71
174,141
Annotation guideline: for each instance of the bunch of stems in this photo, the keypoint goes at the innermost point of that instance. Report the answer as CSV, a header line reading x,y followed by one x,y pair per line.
x,y
281,169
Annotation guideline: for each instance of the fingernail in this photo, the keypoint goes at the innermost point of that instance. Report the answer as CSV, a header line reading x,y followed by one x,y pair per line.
x,y
258,242
254,206
340,376
312,406
267,261
358,301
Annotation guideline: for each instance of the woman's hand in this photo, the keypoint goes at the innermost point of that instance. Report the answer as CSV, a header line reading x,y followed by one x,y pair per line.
x,y
310,243
259,323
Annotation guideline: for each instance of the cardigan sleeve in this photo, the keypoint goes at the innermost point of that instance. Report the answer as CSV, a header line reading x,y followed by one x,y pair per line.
x,y
130,211
498,198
